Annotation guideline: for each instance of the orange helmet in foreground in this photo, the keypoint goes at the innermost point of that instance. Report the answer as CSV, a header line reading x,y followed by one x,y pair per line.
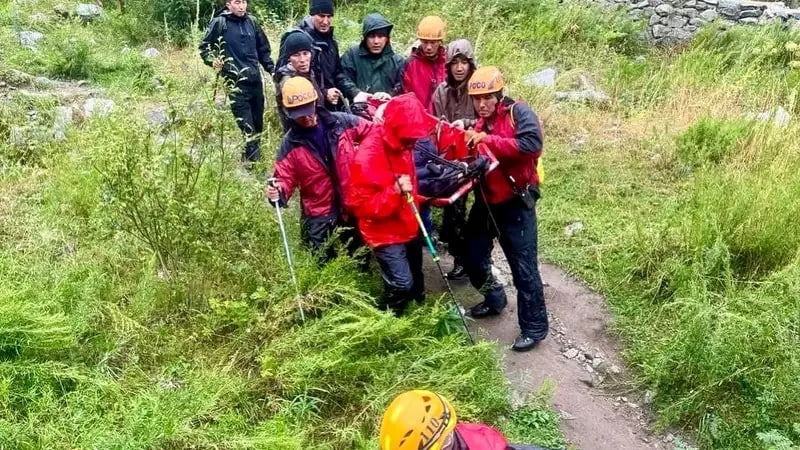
x,y
417,420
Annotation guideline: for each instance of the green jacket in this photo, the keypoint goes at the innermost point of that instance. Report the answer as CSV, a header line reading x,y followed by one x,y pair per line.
x,y
370,73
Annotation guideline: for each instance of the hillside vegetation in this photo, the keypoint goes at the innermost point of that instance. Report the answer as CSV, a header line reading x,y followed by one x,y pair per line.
x,y
144,298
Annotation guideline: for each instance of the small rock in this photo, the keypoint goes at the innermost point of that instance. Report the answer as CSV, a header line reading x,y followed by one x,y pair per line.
x,y
597,362
690,4
98,107
170,385
654,19
572,229
88,12
640,5
588,356
710,2
151,53
669,438
780,117
61,11
571,353
697,22
648,397
82,83
689,12
500,277
664,9
709,15
581,358
29,39
633,405
69,249
640,59
156,117
44,82
749,21
566,416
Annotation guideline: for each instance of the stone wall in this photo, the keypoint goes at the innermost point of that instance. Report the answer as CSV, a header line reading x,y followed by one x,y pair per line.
x,y
672,22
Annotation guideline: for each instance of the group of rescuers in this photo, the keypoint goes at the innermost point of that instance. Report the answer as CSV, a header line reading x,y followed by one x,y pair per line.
x,y
359,175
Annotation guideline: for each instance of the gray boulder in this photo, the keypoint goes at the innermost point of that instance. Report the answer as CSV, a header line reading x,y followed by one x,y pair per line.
x,y
779,116
541,79
151,53
664,9
585,96
30,39
100,107
730,8
709,15
677,21
88,12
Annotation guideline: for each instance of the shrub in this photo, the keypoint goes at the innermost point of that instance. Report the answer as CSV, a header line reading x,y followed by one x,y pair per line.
x,y
711,140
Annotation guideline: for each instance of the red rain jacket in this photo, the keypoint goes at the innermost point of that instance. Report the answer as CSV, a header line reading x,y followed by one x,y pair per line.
x,y
515,138
320,174
422,76
383,213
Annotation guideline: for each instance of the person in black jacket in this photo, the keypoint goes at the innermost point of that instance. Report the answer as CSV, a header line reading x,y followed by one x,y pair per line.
x,y
328,63
235,45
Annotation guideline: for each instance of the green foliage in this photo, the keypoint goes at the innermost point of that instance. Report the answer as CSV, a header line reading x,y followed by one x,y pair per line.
x,y
535,423
711,140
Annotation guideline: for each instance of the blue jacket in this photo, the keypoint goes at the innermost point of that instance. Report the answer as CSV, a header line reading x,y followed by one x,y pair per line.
x,y
244,44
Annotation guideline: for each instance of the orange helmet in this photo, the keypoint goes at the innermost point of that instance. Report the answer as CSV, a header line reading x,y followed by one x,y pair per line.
x,y
298,97
486,80
431,28
417,420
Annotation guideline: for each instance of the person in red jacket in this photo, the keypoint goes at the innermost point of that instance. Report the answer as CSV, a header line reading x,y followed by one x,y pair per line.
x,y
382,179
427,68
425,420
314,158
505,206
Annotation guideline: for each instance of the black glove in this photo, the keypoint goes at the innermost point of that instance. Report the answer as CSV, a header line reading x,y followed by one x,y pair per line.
x,y
361,109
478,167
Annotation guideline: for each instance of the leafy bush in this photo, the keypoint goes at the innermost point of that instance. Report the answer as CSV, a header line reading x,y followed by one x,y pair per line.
x,y
711,140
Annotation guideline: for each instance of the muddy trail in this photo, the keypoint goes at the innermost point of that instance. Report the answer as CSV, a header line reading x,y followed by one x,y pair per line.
x,y
581,358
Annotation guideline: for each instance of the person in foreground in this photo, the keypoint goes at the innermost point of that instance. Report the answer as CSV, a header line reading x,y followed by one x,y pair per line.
x,y
424,420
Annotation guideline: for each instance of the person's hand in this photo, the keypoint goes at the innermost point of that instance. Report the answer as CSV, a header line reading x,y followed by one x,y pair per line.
x,y
404,183
473,137
361,97
383,96
458,124
218,64
378,118
273,193
333,95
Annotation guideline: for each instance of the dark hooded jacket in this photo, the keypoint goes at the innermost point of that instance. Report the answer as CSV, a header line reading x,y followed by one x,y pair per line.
x,y
363,71
244,45
451,99
327,60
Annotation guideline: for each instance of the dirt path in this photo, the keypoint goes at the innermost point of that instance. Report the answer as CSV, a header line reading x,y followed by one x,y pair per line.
x,y
580,357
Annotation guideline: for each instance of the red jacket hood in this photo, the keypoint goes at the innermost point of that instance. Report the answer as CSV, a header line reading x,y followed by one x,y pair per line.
x,y
405,118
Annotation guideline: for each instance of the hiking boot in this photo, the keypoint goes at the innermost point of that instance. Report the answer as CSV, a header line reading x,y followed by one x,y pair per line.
x,y
524,343
458,273
482,310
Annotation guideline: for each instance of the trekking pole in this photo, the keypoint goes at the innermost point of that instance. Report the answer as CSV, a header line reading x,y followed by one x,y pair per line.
x,y
435,256
273,182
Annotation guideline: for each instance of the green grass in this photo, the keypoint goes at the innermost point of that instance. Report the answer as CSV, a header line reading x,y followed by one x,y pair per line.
x,y
144,297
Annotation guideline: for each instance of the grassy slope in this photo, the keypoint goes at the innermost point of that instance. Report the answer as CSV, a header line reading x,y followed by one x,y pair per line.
x,y
692,238
144,297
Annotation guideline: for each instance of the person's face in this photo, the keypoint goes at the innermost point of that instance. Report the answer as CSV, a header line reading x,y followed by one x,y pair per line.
x,y
237,7
459,68
376,42
322,22
307,121
485,105
301,61
430,48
